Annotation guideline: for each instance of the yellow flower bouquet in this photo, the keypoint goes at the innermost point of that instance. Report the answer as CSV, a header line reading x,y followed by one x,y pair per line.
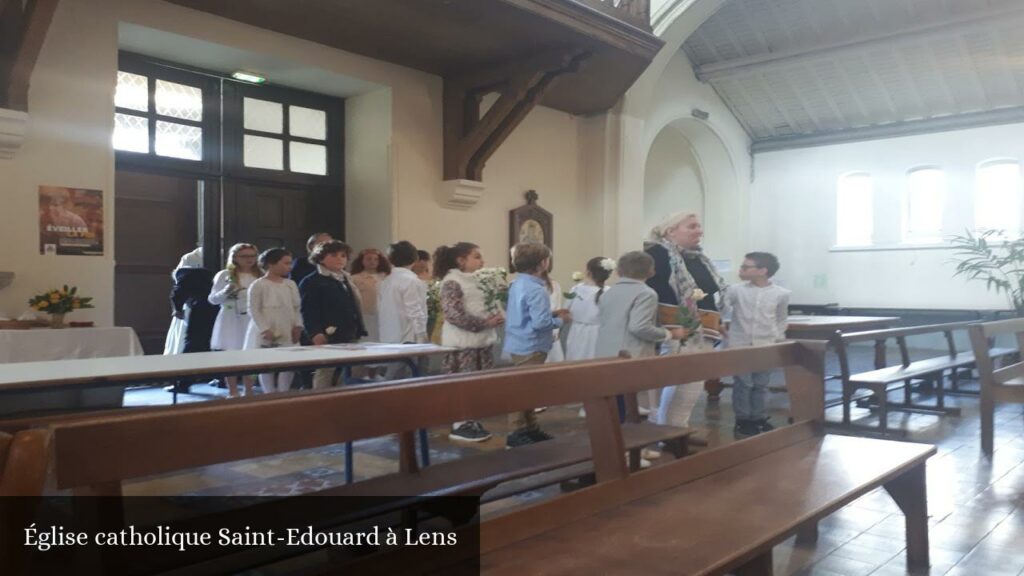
x,y
57,303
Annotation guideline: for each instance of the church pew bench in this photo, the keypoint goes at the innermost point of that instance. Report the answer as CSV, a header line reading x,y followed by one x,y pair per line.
x,y
718,512
886,379
998,385
94,456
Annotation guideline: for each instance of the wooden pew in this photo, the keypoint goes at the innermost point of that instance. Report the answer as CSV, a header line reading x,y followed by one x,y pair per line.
x,y
1004,384
810,474
884,378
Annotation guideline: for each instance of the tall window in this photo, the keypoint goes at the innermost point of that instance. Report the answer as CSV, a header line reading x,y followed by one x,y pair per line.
x,y
855,210
997,197
923,206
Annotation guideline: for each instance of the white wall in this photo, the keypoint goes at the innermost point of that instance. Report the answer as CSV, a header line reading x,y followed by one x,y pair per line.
x,y
672,179
67,144
793,214
395,166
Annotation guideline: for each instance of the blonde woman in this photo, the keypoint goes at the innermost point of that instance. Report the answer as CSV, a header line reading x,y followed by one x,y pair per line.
x,y
231,292
683,276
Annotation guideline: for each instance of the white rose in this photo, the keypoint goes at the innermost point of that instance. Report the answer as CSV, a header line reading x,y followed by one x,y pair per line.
x,y
608,264
577,276
699,294
331,330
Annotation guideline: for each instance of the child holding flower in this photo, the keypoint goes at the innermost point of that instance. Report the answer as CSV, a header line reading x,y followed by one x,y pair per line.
x,y
231,292
583,306
274,313
470,321
331,306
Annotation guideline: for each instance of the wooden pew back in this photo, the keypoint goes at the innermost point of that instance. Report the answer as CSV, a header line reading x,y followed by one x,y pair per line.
x,y
1005,384
107,450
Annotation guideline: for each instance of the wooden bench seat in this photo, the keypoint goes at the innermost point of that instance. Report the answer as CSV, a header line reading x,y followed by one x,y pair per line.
x,y
480,473
885,379
93,456
727,519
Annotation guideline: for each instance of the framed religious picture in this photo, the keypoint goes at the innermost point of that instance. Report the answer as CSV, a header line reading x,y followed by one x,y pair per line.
x,y
529,224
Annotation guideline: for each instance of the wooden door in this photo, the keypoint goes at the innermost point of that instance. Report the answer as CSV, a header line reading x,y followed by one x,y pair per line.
x,y
156,222
269,215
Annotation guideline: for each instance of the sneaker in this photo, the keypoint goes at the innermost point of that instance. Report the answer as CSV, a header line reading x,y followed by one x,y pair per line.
x,y
764,425
518,438
643,411
469,432
650,454
746,428
539,435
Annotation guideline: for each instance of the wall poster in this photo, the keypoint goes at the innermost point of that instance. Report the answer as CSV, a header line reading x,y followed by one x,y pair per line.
x,y
70,221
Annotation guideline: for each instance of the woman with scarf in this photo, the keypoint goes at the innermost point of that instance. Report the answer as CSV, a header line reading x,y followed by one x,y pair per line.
x,y
681,272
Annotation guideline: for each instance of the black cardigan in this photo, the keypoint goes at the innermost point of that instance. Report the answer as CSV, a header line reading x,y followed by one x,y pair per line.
x,y
663,271
191,288
328,302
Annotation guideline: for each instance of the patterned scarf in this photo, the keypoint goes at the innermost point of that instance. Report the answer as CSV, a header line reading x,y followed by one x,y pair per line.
x,y
680,280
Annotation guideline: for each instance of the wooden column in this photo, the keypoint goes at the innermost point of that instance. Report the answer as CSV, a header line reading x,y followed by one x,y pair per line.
x,y
25,30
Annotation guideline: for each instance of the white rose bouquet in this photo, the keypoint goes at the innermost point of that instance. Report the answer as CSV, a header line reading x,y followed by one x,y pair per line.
x,y
493,282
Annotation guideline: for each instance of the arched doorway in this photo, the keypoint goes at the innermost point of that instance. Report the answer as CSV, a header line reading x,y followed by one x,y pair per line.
x,y
672,178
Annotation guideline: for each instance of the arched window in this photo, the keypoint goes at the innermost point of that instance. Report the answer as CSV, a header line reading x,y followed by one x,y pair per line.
x,y
855,210
997,197
923,205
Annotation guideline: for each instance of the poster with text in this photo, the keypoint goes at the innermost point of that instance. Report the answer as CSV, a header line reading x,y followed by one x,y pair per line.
x,y
70,221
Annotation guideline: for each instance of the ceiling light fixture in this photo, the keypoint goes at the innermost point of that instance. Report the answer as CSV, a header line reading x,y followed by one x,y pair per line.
x,y
248,77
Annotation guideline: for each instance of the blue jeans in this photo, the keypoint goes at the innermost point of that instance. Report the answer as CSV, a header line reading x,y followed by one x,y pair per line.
x,y
748,394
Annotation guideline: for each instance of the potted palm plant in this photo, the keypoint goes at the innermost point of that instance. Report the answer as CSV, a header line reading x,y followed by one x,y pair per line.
x,y
991,258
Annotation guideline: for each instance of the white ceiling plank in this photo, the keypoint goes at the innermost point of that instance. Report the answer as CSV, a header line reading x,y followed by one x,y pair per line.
x,y
957,24
799,69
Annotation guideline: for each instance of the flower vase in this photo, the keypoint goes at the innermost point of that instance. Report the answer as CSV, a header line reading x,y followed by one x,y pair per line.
x,y
57,321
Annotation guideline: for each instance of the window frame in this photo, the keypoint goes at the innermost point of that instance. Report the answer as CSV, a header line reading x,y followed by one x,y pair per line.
x,y
839,182
235,132
908,236
153,70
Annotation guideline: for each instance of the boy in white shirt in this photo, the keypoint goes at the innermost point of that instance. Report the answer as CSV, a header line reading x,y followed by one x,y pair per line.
x,y
402,299
755,315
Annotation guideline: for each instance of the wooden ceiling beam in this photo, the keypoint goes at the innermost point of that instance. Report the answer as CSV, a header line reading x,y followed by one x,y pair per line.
x,y
20,57
469,140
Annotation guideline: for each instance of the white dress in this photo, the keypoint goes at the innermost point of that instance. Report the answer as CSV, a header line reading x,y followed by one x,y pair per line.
x,y
557,354
582,340
233,318
273,306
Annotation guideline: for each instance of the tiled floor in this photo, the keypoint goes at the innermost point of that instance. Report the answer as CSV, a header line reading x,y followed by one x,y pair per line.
x,y
976,505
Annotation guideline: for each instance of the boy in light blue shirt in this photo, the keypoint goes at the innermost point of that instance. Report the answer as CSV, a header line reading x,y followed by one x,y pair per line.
x,y
529,327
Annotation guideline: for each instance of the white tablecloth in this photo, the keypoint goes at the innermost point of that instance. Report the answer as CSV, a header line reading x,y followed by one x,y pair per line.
x,y
46,344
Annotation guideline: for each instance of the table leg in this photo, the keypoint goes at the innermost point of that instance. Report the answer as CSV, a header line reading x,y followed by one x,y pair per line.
x,y
909,491
414,369
349,473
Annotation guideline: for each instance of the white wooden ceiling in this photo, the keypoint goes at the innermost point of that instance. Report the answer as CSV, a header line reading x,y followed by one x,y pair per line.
x,y
791,69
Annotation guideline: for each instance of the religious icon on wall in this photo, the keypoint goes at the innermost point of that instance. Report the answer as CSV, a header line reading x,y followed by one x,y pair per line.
x,y
530,224
70,221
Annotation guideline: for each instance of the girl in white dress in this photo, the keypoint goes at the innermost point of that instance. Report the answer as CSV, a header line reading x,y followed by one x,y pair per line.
x,y
582,338
275,320
231,292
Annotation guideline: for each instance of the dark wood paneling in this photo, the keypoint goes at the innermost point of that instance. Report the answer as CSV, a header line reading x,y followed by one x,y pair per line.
x,y
156,222
267,215
452,37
